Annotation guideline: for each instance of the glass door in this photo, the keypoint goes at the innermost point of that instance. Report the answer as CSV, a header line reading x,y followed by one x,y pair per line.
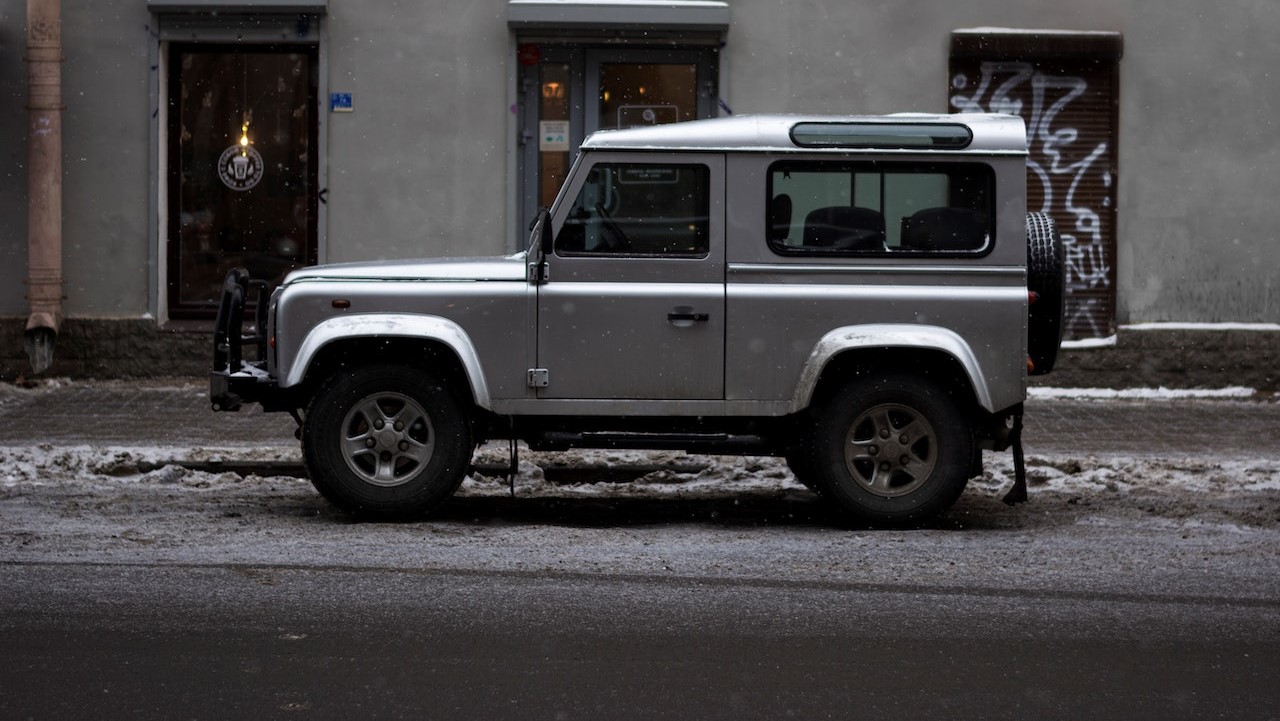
x,y
631,94
569,92
555,137
242,139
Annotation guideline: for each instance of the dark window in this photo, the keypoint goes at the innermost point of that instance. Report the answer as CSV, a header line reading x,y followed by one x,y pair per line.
x,y
639,209
839,208
946,136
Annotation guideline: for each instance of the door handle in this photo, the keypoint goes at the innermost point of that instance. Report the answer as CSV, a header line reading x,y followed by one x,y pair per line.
x,y
682,315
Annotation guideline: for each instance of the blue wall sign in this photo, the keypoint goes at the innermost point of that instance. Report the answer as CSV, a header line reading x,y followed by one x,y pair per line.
x,y
340,103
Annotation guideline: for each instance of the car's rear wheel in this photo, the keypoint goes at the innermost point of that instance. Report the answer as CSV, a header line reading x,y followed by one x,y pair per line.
x,y
891,449
386,441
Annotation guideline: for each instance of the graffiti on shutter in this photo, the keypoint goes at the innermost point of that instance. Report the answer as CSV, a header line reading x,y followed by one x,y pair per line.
x,y
1068,109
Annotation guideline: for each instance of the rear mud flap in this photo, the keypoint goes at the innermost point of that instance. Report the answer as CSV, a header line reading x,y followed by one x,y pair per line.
x,y
1018,493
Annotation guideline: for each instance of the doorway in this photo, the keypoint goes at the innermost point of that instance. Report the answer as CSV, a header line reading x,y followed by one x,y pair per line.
x,y
568,92
242,167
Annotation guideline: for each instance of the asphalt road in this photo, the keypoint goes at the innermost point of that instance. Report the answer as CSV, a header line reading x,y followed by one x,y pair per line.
x,y
111,641
1139,585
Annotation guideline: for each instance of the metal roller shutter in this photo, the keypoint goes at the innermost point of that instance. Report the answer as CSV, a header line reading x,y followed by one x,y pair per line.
x,y
1065,86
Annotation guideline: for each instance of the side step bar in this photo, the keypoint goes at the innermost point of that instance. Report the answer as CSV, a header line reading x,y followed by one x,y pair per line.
x,y
725,443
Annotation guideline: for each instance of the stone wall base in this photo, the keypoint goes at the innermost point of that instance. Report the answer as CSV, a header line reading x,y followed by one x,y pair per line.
x,y
1173,358
109,348
138,348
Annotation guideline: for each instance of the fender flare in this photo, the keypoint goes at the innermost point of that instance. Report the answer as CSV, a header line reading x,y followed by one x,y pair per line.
x,y
888,335
392,325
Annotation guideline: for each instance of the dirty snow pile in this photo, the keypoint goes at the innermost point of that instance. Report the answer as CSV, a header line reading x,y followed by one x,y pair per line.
x,y
1243,492
1109,523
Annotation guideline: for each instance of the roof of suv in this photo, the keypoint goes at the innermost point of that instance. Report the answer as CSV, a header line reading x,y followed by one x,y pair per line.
x,y
987,133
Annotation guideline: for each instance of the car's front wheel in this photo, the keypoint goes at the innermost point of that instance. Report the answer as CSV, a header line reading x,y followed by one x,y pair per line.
x,y
891,449
386,441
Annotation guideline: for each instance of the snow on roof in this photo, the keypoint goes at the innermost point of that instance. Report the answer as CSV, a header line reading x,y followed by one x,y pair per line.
x,y
1174,325
1032,31
991,132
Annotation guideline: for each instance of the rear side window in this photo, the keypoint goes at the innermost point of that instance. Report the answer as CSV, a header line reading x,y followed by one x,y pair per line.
x,y
880,208
639,209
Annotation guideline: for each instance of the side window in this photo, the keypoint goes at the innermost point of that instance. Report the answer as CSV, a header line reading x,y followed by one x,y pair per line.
x,y
639,209
880,208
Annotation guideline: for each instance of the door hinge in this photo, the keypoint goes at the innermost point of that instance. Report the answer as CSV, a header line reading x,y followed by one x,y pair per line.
x,y
539,378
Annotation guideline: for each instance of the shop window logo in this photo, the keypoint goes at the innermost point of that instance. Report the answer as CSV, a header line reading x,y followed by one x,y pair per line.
x,y
240,167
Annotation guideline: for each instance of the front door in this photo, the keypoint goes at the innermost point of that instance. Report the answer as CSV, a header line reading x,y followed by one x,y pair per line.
x,y
242,138
634,304
569,92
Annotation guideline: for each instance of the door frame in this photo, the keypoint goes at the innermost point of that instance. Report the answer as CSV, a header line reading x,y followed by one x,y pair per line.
x,y
244,29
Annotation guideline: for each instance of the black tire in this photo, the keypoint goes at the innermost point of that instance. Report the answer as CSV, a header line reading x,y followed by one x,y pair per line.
x,y
1046,277
798,463
401,469
891,450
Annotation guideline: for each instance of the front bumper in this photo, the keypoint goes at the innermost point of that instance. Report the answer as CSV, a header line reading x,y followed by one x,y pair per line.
x,y
250,384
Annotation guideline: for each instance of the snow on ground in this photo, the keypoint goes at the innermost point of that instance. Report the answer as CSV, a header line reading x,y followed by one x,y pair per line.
x,y
1108,523
1140,394
1238,491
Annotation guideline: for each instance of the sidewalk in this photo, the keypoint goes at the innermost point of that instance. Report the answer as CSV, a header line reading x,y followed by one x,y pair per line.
x,y
176,413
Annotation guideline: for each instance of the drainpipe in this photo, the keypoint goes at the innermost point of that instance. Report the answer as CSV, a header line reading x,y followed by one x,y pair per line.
x,y
44,180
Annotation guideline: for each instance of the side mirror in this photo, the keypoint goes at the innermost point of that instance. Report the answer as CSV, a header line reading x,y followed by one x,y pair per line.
x,y
542,228
539,246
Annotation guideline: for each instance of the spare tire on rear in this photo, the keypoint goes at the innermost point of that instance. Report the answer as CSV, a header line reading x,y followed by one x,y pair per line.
x,y
1046,279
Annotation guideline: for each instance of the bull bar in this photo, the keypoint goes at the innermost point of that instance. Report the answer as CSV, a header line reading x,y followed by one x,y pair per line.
x,y
234,380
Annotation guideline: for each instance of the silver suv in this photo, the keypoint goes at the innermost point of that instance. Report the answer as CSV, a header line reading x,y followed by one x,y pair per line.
x,y
864,296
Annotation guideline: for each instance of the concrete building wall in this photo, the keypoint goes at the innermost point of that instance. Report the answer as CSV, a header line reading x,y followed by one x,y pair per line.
x,y
421,165
1199,107
13,153
107,158
1199,161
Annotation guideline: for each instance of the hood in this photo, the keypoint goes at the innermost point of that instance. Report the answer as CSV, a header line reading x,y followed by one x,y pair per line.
x,y
511,267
